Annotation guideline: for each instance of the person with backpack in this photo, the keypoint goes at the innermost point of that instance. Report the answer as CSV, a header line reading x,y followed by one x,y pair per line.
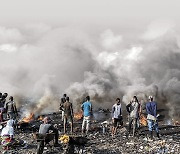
x,y
116,116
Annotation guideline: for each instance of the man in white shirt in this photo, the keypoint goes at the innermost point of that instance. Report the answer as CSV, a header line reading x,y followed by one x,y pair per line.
x,y
116,116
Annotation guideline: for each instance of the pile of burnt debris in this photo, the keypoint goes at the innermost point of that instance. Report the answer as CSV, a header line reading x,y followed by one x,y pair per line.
x,y
99,140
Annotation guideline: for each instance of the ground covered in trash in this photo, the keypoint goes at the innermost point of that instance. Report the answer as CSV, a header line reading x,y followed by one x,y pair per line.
x,y
99,143
103,143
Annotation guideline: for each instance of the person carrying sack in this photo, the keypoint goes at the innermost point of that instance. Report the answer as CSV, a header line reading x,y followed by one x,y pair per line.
x,y
151,109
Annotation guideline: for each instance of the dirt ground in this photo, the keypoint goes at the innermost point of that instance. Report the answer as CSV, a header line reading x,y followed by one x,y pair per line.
x,y
103,143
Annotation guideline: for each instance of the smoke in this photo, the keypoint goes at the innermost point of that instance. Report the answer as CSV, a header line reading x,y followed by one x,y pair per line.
x,y
43,62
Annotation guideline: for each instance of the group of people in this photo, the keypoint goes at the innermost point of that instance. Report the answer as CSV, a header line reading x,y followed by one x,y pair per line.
x,y
67,113
8,114
134,110
7,108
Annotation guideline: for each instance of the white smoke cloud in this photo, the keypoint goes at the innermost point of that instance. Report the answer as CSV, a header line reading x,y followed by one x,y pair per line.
x,y
8,48
65,59
142,70
110,40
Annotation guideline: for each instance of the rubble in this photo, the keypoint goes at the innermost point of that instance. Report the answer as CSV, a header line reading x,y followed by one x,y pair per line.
x,y
100,141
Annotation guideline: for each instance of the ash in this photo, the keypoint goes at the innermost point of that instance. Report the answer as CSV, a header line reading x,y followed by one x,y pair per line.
x,y
100,140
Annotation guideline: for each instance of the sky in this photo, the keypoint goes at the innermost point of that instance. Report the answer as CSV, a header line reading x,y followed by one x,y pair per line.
x,y
108,12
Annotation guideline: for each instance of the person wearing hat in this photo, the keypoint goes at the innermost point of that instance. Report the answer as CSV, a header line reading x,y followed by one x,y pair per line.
x,y
46,127
151,109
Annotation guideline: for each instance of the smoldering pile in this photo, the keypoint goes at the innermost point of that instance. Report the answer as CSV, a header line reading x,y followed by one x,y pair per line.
x,y
100,140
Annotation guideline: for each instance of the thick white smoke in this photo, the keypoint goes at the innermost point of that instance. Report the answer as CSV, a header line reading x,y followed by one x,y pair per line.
x,y
38,58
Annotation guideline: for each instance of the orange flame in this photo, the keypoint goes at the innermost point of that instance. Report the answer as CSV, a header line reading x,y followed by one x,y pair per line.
x,y
40,118
78,115
143,120
29,118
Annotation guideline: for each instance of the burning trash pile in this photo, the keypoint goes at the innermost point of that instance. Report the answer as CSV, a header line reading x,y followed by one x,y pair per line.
x,y
103,133
100,141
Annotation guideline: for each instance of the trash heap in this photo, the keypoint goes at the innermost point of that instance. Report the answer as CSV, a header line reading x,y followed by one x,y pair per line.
x,y
100,141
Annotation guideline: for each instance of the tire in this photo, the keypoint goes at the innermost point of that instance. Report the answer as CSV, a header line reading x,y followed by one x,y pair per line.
x,y
40,147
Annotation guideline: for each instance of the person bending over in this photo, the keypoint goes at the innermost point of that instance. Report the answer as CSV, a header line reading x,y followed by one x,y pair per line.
x,y
46,127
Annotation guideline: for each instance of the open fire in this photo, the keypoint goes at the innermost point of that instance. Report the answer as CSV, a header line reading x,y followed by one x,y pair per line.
x,y
143,120
78,115
28,118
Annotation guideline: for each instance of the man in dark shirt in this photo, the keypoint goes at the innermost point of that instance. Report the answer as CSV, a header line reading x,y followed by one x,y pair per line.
x,y
1,108
151,109
46,127
68,114
2,103
10,108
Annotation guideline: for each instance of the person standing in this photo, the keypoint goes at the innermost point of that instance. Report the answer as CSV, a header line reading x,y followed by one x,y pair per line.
x,y
68,114
133,108
2,103
10,108
87,112
116,116
151,109
1,108
61,108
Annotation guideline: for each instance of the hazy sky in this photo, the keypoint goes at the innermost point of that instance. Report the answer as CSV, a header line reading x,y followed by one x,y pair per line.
x,y
115,12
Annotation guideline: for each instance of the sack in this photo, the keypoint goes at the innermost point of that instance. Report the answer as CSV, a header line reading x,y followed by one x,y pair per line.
x,y
151,117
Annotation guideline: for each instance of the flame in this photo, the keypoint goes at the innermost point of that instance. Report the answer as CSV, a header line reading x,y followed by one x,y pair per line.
x,y
29,118
40,118
78,115
143,120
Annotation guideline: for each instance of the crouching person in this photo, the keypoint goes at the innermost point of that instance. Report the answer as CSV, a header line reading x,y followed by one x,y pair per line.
x,y
7,134
46,127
